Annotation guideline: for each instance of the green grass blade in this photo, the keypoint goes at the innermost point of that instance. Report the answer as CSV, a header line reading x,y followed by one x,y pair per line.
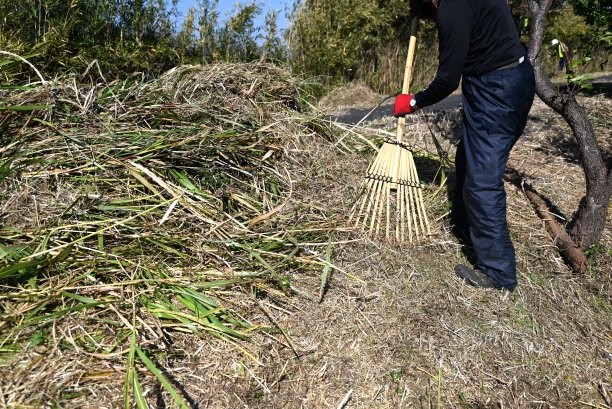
x,y
325,274
15,268
129,375
25,107
161,378
141,402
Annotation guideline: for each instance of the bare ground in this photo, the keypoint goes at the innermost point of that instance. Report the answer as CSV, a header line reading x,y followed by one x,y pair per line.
x,y
407,333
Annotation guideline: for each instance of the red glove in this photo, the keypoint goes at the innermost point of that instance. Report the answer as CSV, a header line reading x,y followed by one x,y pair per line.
x,y
425,10
404,104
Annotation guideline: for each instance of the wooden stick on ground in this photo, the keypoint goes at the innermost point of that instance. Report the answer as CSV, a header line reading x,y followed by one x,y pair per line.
x,y
567,247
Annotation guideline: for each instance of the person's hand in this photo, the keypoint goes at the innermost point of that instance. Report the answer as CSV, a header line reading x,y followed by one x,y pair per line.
x,y
404,104
425,10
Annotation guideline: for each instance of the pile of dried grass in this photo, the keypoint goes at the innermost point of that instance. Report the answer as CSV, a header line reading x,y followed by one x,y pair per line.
x,y
131,211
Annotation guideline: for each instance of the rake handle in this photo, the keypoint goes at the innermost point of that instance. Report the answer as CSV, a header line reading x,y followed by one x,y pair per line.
x,y
414,28
399,133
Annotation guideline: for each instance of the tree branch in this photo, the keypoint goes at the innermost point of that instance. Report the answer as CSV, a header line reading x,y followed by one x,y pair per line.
x,y
567,247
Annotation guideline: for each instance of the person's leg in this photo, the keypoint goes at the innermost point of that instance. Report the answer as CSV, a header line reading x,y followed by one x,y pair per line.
x,y
496,106
458,217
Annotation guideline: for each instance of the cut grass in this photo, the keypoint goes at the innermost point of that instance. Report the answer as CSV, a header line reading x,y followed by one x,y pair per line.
x,y
148,212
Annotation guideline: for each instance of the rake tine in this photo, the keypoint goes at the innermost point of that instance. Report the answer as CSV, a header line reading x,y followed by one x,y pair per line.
x,y
364,192
425,219
390,186
364,200
378,201
369,186
371,202
399,226
403,199
357,208
399,230
413,201
419,197
406,197
384,193
374,187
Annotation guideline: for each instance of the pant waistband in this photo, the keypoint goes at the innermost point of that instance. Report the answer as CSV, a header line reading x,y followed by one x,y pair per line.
x,y
512,64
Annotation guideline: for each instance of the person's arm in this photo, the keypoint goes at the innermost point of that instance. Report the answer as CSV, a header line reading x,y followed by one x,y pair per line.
x,y
566,51
454,19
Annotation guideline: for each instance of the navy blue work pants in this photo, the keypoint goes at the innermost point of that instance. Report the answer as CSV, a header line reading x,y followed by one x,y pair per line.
x,y
495,110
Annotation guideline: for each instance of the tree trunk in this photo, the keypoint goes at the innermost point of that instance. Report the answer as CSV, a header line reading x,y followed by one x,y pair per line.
x,y
589,221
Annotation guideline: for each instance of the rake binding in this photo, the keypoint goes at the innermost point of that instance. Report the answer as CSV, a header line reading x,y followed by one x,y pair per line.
x,y
398,143
392,193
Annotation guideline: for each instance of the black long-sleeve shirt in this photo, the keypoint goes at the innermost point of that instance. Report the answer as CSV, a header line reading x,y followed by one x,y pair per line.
x,y
475,37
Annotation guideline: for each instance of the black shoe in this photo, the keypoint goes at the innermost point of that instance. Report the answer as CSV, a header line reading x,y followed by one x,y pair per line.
x,y
477,278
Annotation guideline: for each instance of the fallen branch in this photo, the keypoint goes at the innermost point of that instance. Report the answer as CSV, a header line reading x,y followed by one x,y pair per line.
x,y
567,247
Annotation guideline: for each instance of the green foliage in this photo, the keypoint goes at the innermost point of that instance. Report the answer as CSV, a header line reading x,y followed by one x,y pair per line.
x,y
272,48
185,39
73,33
596,12
567,26
331,37
595,249
133,35
344,40
588,42
237,39
207,23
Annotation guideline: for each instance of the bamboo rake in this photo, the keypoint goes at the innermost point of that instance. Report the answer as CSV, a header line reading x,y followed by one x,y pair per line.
x,y
393,196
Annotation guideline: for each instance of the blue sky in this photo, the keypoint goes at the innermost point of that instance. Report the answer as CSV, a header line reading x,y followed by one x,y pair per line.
x,y
226,7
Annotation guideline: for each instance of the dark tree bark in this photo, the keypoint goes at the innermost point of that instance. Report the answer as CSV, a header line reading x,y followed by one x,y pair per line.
x,y
588,222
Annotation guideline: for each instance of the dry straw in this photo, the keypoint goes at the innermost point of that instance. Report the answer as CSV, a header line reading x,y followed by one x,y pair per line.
x,y
155,209
393,195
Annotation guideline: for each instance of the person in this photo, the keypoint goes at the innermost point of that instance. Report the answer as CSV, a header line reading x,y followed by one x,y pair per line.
x,y
479,44
563,51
